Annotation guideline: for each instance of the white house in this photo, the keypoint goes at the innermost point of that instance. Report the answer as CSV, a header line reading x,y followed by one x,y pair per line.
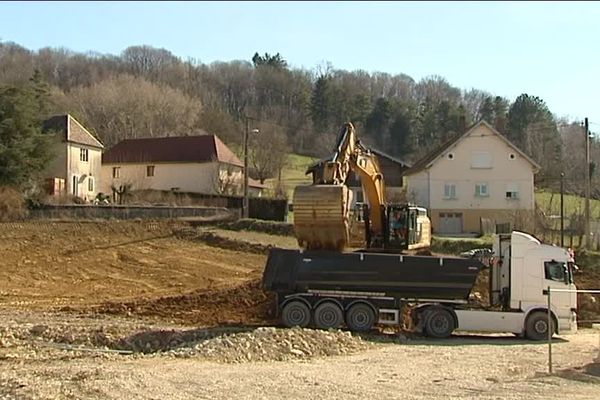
x,y
479,174
193,164
75,168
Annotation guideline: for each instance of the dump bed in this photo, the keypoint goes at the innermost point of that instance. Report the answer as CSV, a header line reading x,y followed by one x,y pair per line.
x,y
394,275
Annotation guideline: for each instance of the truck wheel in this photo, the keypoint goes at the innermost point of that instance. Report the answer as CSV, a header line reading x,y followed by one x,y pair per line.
x,y
295,313
328,315
439,323
360,318
536,326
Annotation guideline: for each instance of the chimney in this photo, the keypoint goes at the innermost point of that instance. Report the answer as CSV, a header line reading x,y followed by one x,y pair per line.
x,y
500,125
462,123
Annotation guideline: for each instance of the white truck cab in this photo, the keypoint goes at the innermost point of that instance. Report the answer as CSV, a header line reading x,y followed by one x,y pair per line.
x,y
521,272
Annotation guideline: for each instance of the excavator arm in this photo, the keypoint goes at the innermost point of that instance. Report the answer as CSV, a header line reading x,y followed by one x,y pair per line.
x,y
322,210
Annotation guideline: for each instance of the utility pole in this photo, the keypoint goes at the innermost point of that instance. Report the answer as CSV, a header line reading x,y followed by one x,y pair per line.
x,y
245,201
562,210
588,187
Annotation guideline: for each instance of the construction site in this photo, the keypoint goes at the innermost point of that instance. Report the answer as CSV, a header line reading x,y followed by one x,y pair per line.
x,y
163,309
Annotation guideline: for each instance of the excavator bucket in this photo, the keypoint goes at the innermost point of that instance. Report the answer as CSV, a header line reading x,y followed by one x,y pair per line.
x,y
321,216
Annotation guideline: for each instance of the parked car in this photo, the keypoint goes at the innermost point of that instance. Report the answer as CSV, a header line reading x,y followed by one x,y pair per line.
x,y
483,254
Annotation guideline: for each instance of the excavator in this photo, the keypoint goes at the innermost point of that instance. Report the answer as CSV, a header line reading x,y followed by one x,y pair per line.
x,y
323,216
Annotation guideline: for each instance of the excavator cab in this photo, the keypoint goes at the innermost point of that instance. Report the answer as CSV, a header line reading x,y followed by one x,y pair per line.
x,y
408,227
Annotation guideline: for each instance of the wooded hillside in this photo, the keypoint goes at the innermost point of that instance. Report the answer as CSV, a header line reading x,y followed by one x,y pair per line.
x,y
145,91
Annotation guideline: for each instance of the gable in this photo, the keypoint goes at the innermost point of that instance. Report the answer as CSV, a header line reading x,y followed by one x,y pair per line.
x,y
70,130
480,130
76,133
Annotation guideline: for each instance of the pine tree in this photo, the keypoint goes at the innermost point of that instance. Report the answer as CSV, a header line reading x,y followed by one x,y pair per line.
x,y
24,149
319,104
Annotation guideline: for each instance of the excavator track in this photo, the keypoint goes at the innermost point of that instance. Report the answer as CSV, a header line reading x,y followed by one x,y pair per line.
x,y
321,216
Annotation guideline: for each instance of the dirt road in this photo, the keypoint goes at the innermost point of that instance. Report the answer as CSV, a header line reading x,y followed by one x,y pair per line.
x,y
482,367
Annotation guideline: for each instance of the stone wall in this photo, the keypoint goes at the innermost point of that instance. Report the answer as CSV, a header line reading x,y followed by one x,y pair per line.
x,y
85,211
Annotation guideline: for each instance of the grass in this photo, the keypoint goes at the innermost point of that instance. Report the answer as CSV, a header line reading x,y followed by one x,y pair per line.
x,y
550,203
292,175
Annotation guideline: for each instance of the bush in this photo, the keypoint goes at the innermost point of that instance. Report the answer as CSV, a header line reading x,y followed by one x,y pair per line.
x,y
12,204
255,225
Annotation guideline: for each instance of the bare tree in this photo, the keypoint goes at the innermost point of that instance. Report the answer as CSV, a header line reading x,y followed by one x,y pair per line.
x,y
227,179
126,107
268,152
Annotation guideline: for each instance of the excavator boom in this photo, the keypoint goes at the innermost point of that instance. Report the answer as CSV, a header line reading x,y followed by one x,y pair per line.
x,y
322,210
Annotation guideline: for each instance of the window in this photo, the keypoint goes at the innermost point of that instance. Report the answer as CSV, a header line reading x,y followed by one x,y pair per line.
x,y
481,159
555,270
512,156
83,155
116,172
512,191
481,190
90,184
449,191
150,170
450,156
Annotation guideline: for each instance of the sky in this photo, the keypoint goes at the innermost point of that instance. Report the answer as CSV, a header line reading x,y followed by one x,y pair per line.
x,y
546,49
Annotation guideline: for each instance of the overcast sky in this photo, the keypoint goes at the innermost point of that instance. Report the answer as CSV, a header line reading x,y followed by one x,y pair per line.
x,y
547,49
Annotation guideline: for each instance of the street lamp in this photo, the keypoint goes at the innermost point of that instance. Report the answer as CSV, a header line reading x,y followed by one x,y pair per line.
x,y
255,131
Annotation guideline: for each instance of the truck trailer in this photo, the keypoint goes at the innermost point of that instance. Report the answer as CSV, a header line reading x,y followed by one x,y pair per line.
x,y
358,290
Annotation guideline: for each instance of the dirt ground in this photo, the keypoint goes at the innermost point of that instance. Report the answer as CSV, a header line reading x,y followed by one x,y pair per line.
x,y
71,264
115,310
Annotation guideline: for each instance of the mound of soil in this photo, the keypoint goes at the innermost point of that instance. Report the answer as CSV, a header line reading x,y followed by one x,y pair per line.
x,y
243,304
215,240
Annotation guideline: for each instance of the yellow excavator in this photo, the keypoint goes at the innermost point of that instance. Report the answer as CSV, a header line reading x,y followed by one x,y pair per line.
x,y
322,211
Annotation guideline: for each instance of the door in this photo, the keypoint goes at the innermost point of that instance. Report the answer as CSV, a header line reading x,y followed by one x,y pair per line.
x,y
75,187
450,223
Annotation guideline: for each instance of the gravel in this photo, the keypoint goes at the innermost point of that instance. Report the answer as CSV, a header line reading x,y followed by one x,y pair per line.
x,y
272,344
108,339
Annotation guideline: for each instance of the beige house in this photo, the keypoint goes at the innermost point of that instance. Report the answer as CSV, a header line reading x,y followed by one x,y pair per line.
x,y
192,164
477,176
75,169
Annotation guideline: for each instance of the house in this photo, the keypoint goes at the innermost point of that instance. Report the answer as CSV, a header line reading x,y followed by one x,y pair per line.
x,y
193,164
392,169
477,176
76,167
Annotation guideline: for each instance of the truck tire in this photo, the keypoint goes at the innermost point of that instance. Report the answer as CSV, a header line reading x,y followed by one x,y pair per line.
x,y
295,313
360,318
328,315
439,323
536,326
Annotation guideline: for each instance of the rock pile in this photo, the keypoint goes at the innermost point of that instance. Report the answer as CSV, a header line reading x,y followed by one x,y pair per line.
x,y
227,345
273,344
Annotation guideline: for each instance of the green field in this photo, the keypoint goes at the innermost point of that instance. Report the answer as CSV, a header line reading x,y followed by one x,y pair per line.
x,y
550,203
293,174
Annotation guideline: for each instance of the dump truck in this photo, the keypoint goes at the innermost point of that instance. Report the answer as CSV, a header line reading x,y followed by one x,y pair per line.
x,y
358,290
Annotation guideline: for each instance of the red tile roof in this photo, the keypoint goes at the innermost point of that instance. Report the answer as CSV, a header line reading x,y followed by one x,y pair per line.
x,y
175,149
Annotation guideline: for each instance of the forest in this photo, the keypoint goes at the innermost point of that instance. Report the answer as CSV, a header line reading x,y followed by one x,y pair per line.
x,y
146,91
